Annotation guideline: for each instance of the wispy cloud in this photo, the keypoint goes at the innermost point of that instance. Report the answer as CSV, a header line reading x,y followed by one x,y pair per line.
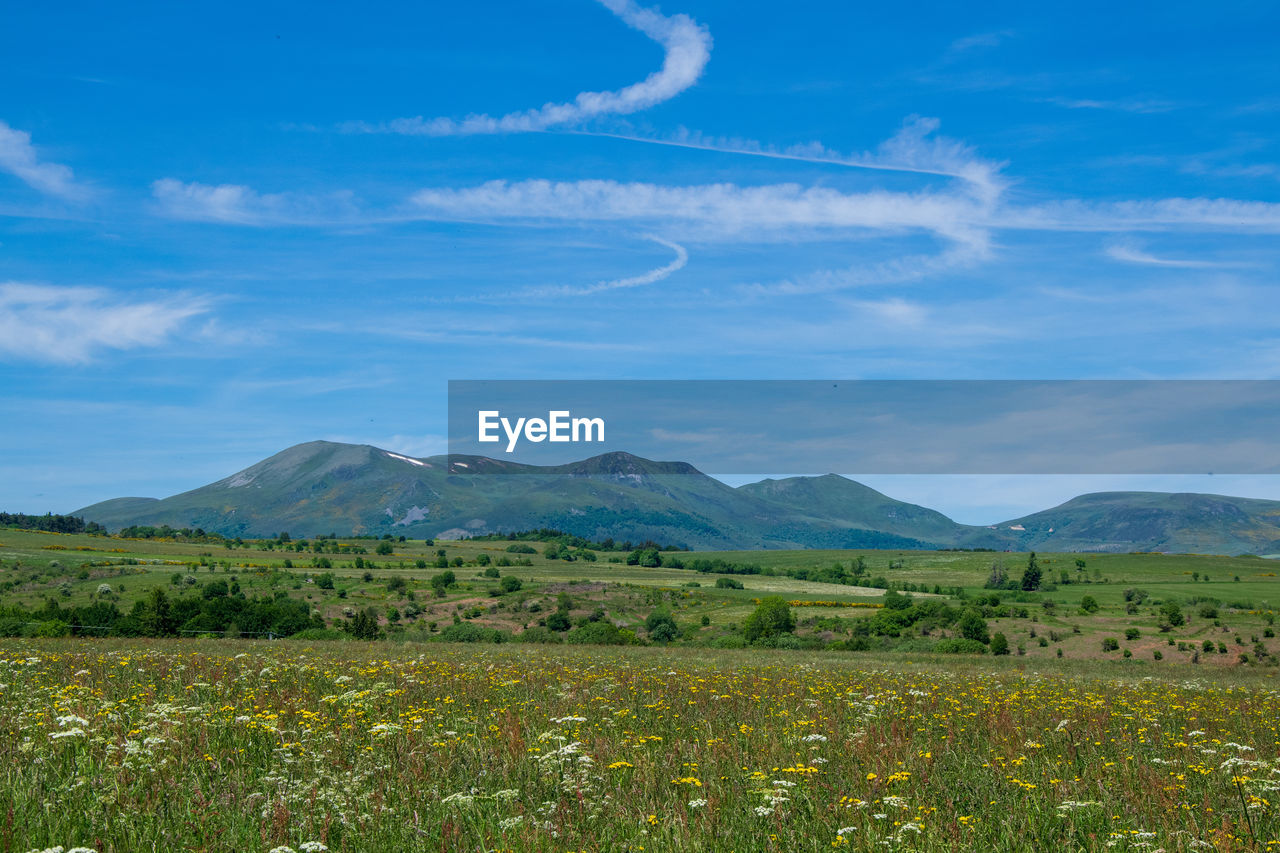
x,y
1124,105
233,204
687,47
1169,214
902,270
72,324
978,41
914,148
19,158
651,277
719,210
1132,253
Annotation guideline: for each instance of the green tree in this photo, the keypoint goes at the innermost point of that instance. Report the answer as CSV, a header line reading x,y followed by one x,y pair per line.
x,y
661,626
384,548
771,618
973,627
1031,576
157,614
510,584
999,644
363,625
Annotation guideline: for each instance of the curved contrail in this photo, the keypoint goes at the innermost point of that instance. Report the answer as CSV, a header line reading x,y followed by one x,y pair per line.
x,y
653,275
687,48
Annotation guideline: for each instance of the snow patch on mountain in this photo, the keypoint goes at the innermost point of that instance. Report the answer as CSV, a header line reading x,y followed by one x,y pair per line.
x,y
417,462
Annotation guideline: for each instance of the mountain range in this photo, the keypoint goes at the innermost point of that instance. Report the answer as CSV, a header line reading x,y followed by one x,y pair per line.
x,y
321,487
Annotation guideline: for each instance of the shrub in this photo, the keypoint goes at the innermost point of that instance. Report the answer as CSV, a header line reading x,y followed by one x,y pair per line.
x,y
999,644
601,633
661,626
466,632
960,646
973,627
771,618
728,583
1110,644
538,634
1132,634
510,584
319,634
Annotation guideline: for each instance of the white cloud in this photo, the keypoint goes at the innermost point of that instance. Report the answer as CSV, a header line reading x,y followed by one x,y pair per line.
x,y
652,276
1142,106
234,204
687,48
914,148
71,324
1131,253
723,210
1170,214
18,157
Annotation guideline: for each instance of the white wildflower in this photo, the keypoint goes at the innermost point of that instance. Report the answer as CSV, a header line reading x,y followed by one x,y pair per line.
x,y
697,804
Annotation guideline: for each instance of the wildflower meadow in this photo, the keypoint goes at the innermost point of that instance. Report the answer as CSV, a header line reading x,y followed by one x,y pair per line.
x,y
236,746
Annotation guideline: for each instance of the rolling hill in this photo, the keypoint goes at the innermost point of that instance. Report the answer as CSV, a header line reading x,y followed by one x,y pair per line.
x,y
322,487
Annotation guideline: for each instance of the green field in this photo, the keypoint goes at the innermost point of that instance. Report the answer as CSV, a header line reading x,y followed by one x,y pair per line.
x,y
229,745
602,705
1227,603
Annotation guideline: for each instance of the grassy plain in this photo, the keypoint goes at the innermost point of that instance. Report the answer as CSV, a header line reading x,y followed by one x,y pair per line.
x,y
1167,740
241,746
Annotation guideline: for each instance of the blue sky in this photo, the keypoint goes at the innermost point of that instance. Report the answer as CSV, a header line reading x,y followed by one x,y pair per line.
x,y
228,228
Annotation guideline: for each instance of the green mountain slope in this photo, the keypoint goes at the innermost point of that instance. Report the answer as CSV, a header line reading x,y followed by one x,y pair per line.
x,y
1152,521
325,487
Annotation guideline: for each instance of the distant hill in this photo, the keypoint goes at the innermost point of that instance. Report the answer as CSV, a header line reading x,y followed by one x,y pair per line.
x,y
325,487
1152,521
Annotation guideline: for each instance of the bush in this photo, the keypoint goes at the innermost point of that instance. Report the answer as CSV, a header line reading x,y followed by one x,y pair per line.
x,y
960,646
771,618
1089,604
1110,644
492,572
510,584
538,634
729,641
1132,634
661,626
999,644
728,583
467,632
318,634
602,633
973,627
53,628
521,548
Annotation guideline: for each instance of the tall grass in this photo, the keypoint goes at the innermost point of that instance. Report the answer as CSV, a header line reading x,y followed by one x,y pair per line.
x,y
252,747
